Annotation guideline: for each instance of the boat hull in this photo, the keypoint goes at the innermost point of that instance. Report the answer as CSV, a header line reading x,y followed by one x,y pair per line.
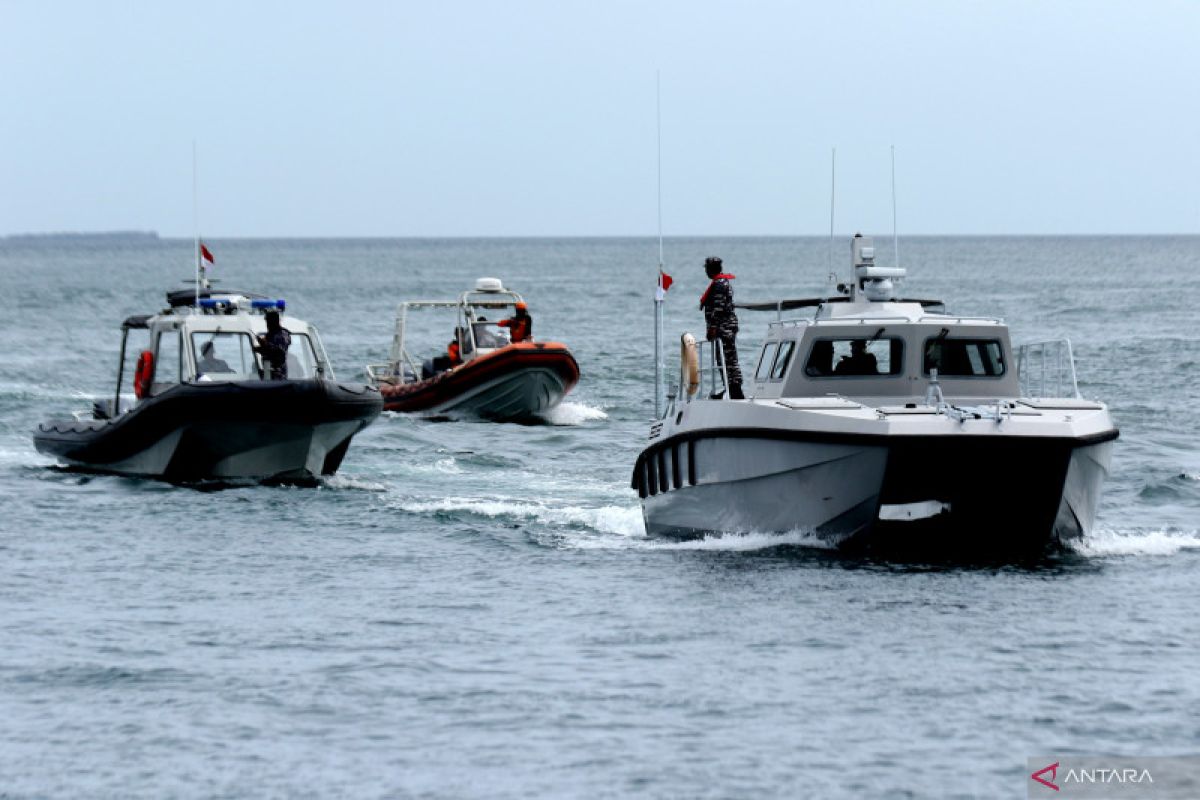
x,y
514,382
862,491
234,431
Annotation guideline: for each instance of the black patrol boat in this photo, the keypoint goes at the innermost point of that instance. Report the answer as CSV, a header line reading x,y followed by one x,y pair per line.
x,y
204,407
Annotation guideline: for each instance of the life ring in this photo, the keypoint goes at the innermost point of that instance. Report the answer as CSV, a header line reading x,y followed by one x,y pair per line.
x,y
689,363
143,374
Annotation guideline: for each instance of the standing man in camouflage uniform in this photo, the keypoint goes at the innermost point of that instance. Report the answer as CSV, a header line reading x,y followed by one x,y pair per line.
x,y
273,346
722,321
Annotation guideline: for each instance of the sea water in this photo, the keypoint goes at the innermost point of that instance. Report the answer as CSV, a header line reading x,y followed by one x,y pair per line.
x,y
473,610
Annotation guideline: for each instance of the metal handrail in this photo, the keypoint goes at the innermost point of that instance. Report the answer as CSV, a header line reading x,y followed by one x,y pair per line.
x,y
794,322
710,369
959,318
1054,361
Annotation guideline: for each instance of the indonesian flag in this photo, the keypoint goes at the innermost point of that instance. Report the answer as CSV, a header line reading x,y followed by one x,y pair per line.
x,y
664,283
206,254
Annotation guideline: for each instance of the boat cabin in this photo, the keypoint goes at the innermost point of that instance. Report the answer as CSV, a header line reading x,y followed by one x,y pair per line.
x,y
865,342
212,339
894,352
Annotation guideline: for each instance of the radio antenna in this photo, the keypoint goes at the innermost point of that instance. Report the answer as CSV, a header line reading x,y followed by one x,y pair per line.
x,y
895,237
658,132
832,195
196,224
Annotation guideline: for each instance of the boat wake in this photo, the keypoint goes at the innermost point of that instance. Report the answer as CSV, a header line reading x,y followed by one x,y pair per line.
x,y
1138,542
743,542
622,521
570,413
340,482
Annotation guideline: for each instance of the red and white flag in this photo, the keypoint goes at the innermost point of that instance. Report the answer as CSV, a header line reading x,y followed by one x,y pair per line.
x,y
664,283
206,254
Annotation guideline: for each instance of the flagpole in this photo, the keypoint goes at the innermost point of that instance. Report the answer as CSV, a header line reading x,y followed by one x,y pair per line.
x,y
196,226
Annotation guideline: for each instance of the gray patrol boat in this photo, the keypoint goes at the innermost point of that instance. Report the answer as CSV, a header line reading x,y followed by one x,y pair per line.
x,y
880,421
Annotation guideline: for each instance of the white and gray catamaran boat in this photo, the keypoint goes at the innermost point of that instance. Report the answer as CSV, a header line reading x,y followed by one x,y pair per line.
x,y
203,407
881,421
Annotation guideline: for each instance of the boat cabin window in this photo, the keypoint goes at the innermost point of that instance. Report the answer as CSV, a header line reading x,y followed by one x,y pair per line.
x,y
781,360
302,359
224,356
488,335
167,362
846,358
765,361
964,358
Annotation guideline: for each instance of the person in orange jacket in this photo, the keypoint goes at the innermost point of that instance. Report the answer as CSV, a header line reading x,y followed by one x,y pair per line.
x,y
520,325
453,352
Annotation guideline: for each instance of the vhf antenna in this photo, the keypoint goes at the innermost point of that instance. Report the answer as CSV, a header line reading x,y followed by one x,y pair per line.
x,y
895,237
832,196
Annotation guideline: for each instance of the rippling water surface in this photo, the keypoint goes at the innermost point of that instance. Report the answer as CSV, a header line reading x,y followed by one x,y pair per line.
x,y
473,609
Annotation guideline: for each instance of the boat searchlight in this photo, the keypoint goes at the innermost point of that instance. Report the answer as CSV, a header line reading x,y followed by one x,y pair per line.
x,y
876,283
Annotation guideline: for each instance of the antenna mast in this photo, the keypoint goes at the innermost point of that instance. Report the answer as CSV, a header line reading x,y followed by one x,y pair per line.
x,y
895,237
832,194
196,226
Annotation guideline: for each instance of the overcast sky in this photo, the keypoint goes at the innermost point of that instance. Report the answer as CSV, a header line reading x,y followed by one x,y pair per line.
x,y
520,117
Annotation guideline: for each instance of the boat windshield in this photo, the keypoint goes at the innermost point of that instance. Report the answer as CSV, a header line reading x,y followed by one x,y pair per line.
x,y
229,356
964,358
847,358
488,335
224,356
302,358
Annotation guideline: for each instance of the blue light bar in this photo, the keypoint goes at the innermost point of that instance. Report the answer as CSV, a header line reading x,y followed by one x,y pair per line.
x,y
268,304
208,302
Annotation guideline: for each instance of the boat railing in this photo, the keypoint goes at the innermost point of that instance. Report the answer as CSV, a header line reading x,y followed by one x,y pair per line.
x,y
380,373
713,380
794,322
960,320
393,371
1047,369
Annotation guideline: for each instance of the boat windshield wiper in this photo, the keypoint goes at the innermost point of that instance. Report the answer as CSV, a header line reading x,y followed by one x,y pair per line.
x,y
931,344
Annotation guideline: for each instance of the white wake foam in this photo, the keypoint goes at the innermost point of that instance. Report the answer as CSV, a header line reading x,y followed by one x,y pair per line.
x,y
569,413
619,520
342,481
726,542
743,542
1137,542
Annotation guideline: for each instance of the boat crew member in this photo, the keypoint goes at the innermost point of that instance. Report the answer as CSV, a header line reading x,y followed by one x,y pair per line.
x,y
722,321
520,325
859,362
209,361
454,353
273,346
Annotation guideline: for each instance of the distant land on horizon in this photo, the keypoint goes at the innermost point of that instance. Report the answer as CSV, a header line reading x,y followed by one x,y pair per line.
x,y
148,237
84,236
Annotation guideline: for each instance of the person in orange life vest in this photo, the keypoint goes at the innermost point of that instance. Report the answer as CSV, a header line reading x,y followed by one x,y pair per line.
x,y
453,352
520,325
722,321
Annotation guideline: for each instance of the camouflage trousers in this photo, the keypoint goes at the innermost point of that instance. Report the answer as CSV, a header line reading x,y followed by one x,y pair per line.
x,y
728,340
